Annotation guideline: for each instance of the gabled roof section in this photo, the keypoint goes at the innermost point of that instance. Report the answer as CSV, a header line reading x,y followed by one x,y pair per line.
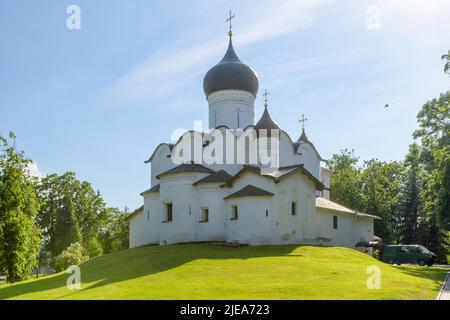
x,y
282,172
245,169
304,139
220,176
276,174
187,167
153,189
135,213
330,205
170,145
249,191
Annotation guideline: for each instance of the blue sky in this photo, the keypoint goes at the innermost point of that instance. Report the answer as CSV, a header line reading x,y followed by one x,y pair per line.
x,y
98,100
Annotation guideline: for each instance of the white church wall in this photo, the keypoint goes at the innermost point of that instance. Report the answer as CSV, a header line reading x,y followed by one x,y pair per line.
x,y
325,178
151,218
342,236
362,230
211,196
136,231
178,190
161,162
301,226
288,157
224,106
252,226
309,159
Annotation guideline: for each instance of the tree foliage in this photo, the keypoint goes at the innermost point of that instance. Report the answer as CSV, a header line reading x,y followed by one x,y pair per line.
x,y
74,254
71,212
19,233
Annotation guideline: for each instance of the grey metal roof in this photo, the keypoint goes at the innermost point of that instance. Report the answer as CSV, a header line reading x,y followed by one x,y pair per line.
x,y
276,174
187,167
266,121
249,191
330,205
219,176
231,74
303,137
155,188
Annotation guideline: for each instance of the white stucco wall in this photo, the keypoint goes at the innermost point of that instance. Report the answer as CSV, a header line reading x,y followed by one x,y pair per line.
x,y
280,226
211,196
223,106
160,162
136,231
349,232
309,159
178,190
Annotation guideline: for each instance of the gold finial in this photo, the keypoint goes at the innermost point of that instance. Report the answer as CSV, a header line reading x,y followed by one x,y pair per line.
x,y
229,20
266,94
302,121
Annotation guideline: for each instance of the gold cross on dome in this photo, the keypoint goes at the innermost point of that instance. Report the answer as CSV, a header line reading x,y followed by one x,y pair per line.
x,y
229,20
303,120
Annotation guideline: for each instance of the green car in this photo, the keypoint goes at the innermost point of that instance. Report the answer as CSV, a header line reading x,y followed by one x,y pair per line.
x,y
399,254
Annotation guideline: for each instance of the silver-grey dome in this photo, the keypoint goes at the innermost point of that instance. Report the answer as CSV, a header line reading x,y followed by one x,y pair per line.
x,y
231,74
266,121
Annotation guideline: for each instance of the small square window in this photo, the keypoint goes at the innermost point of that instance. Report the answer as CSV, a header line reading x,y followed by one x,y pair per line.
x,y
234,212
335,222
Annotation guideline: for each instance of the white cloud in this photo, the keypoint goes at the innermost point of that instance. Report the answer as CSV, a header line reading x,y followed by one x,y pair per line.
x,y
165,71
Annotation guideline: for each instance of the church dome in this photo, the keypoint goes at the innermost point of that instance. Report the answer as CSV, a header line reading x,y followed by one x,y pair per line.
x,y
266,121
231,74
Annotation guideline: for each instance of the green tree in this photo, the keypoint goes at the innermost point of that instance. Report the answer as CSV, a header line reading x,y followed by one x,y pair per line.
x,y
434,134
74,254
345,185
410,207
446,58
67,230
115,235
19,234
380,195
76,206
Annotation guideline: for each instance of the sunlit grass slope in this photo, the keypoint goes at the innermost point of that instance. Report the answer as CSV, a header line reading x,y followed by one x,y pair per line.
x,y
205,271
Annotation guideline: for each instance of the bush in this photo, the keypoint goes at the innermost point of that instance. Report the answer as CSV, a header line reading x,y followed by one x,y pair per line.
x,y
93,248
72,255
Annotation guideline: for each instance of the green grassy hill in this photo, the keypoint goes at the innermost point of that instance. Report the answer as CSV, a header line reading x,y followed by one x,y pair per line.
x,y
204,271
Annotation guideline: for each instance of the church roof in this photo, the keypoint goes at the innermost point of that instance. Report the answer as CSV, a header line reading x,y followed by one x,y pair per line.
x,y
186,167
276,174
304,139
330,205
135,213
169,145
155,188
231,74
266,121
249,191
219,176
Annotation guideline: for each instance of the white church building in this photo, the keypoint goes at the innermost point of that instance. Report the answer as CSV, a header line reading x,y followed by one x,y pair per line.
x,y
245,202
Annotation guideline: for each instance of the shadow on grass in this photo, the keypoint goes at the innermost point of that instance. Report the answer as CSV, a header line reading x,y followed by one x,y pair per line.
x,y
437,275
138,262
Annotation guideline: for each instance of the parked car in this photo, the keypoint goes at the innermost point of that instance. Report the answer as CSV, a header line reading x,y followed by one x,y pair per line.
x,y
399,254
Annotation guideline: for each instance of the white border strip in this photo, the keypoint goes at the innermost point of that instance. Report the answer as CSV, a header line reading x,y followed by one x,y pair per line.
x,y
447,279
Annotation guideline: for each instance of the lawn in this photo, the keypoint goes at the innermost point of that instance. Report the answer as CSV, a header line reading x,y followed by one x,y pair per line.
x,y
204,271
